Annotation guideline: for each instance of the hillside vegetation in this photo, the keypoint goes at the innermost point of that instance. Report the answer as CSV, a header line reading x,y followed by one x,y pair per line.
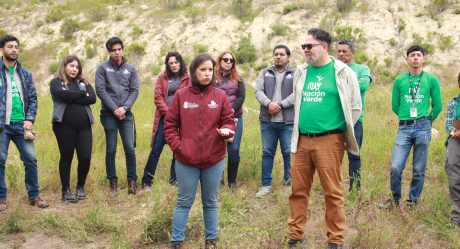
x,y
383,30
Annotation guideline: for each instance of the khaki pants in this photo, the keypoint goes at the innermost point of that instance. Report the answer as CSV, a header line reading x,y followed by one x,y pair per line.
x,y
325,155
453,177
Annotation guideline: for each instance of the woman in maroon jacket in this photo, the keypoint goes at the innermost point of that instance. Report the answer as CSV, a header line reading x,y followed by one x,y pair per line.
x,y
197,125
168,82
227,79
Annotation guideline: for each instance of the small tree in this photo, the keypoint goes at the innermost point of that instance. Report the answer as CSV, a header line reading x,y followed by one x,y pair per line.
x,y
68,28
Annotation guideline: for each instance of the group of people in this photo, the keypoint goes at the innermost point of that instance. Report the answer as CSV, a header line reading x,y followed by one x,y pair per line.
x,y
314,111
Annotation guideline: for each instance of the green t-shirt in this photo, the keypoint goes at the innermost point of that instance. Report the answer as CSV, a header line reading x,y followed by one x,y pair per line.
x,y
457,112
17,110
320,107
364,78
418,94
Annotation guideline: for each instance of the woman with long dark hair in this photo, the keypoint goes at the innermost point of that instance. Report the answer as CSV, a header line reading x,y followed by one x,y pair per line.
x,y
168,82
72,119
198,122
228,79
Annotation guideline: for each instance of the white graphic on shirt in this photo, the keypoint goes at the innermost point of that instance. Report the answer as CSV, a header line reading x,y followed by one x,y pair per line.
x,y
313,93
414,92
288,76
126,71
213,105
109,70
267,74
190,105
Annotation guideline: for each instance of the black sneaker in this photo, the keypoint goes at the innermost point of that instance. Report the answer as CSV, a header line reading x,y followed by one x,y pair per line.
x,y
68,196
411,204
292,243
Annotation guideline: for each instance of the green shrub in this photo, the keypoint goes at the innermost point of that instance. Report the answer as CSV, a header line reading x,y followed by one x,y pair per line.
x,y
246,51
171,3
200,48
280,29
350,33
3,32
290,7
13,224
445,42
53,67
54,14
401,25
90,50
68,28
155,70
136,32
119,17
388,61
38,24
193,13
97,12
135,52
457,11
345,5
393,42
243,9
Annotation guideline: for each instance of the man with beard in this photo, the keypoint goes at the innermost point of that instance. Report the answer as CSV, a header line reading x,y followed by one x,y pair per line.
x,y
327,104
345,53
18,107
274,92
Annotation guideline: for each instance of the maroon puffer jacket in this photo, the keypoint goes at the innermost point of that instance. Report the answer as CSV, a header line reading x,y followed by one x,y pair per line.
x,y
191,125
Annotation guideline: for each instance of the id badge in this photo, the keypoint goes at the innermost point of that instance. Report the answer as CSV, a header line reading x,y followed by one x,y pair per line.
x,y
413,112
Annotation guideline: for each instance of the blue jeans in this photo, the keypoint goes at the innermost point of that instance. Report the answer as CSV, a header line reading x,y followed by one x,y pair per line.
x,y
15,132
418,136
354,167
126,127
158,143
272,132
187,179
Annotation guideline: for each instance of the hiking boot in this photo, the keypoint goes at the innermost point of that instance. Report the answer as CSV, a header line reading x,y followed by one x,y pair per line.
x,y
411,204
68,196
81,195
293,243
210,244
263,191
176,244
36,201
232,186
389,204
287,182
2,205
146,187
334,246
113,183
132,187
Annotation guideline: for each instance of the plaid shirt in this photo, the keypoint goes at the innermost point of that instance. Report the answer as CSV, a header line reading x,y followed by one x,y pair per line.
x,y
30,94
450,115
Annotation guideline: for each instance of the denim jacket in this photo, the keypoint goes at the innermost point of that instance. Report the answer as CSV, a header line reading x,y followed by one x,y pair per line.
x,y
350,99
28,89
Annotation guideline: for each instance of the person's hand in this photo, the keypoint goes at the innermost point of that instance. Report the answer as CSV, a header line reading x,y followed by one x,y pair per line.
x,y
225,132
455,134
119,112
28,125
122,117
274,108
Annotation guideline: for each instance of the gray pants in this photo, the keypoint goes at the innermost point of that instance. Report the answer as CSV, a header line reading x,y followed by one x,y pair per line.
x,y
453,176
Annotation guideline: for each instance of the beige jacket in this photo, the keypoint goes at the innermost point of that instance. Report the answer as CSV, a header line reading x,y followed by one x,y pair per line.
x,y
350,98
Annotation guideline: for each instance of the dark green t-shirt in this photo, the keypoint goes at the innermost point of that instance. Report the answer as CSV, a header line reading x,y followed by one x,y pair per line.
x,y
320,107
421,91
17,110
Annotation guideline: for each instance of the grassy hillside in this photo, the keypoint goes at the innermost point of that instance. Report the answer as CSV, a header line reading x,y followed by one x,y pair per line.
x,y
144,221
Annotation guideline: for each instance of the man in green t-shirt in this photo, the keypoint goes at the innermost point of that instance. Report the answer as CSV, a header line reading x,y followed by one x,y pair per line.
x,y
416,99
18,107
327,104
345,52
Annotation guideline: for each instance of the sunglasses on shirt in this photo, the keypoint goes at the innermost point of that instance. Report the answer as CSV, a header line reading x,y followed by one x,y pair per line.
x,y
227,60
309,45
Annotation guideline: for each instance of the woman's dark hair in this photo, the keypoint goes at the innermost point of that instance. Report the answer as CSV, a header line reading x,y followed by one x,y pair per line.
x,y
178,56
196,62
233,72
61,72
113,41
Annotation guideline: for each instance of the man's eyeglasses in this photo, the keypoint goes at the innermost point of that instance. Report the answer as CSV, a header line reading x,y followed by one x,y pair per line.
x,y
309,46
227,60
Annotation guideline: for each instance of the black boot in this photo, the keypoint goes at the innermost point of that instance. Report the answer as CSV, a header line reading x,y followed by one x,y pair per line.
x,y
68,196
113,186
81,195
232,173
132,187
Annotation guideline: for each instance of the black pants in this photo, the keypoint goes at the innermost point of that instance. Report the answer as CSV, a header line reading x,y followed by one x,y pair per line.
x,y
71,138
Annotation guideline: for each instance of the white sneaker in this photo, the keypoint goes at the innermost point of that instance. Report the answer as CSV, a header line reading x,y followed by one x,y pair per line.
x,y
263,191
